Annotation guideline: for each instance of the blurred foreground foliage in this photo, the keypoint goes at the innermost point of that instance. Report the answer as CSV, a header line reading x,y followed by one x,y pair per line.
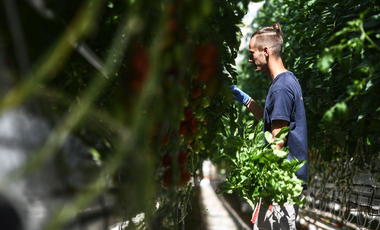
x,y
142,83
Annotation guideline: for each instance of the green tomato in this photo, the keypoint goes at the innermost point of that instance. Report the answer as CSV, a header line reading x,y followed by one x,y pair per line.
x,y
185,102
201,145
199,113
206,102
195,147
199,134
204,130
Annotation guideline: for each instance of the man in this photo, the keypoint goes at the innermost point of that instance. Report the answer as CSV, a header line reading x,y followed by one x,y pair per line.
x,y
283,107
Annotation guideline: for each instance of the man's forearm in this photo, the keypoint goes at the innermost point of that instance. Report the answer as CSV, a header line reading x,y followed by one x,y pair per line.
x,y
277,125
256,109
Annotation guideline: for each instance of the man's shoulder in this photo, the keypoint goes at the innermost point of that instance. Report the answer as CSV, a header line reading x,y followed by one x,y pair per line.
x,y
287,77
286,81
282,80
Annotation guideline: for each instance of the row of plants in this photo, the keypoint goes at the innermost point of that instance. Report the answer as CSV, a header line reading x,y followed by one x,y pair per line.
x,y
157,104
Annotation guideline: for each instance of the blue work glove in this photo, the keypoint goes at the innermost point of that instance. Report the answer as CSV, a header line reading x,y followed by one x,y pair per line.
x,y
239,95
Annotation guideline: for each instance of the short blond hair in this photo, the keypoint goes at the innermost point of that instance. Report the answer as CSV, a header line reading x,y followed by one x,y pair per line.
x,y
271,37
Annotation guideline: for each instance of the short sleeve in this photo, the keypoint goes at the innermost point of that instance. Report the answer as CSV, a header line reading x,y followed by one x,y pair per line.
x,y
282,105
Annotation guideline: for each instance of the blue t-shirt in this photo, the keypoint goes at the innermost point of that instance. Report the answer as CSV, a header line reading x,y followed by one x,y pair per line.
x,y
285,102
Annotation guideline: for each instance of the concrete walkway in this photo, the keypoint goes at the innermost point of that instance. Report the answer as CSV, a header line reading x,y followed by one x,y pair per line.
x,y
214,212
216,216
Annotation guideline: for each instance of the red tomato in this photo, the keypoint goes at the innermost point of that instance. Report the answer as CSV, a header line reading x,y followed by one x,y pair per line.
x,y
184,177
166,160
207,72
172,25
165,139
168,178
183,129
206,53
182,157
204,122
193,125
196,92
140,67
188,113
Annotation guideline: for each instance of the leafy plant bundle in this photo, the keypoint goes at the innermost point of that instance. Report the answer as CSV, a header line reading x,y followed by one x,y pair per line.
x,y
261,170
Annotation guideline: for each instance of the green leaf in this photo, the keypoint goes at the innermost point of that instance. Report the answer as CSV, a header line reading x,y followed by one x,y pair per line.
x,y
95,154
325,62
283,133
328,116
268,137
286,164
243,178
280,153
110,5
225,187
258,155
340,137
227,157
243,156
302,201
260,137
278,140
270,156
368,141
341,108
299,165
249,201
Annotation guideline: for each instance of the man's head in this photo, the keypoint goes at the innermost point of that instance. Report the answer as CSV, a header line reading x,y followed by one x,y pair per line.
x,y
266,42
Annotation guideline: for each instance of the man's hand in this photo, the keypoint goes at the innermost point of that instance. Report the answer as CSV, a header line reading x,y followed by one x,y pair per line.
x,y
239,95
246,100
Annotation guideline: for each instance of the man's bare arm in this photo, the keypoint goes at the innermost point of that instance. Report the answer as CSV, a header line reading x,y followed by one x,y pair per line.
x,y
277,125
255,109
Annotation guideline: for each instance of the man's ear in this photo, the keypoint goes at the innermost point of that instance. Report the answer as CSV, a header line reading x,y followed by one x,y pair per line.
x,y
266,51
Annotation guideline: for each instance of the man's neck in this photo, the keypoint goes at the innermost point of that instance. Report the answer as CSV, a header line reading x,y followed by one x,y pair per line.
x,y
275,67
